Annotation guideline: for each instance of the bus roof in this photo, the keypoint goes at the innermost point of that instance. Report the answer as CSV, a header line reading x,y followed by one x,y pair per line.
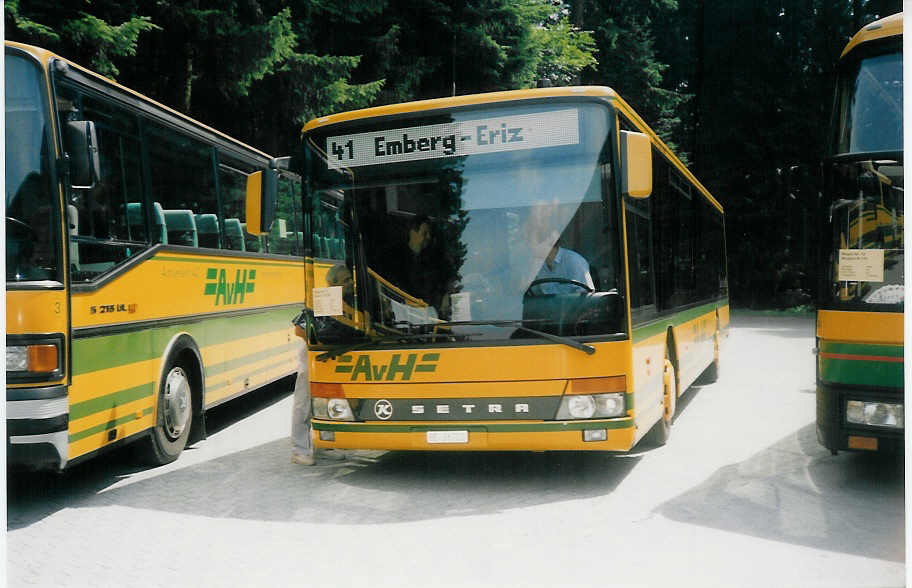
x,y
507,96
455,101
44,57
886,27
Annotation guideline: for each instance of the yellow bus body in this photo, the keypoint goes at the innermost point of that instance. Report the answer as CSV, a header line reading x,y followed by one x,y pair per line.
x,y
229,310
504,376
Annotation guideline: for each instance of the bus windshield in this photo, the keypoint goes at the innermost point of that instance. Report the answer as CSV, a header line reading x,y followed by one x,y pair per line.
x,y
32,225
869,103
866,264
475,224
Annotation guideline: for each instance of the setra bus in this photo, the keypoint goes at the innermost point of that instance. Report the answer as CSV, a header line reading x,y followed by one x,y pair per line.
x,y
861,298
519,270
135,297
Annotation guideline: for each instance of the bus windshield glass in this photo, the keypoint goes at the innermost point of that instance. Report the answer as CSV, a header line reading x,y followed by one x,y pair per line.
x,y
32,225
474,224
866,263
869,102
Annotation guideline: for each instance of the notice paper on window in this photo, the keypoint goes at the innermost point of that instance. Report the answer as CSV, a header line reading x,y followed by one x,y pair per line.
x,y
861,265
327,301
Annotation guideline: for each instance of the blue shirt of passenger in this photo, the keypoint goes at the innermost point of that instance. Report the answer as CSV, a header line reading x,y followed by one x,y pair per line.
x,y
569,265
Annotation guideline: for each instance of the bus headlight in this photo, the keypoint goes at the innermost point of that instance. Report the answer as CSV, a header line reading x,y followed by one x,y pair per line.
x,y
35,359
336,409
320,408
587,406
340,410
610,405
878,414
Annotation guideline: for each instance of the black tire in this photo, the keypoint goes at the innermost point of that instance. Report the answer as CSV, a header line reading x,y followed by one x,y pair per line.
x,y
659,434
174,416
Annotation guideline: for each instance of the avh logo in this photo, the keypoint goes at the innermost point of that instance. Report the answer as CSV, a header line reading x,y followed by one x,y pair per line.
x,y
226,292
398,368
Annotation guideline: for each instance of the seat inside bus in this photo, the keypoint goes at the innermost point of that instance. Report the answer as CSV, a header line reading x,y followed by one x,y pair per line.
x,y
207,230
181,227
234,234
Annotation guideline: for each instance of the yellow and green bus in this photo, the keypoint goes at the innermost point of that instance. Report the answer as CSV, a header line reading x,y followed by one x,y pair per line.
x,y
136,298
860,308
520,270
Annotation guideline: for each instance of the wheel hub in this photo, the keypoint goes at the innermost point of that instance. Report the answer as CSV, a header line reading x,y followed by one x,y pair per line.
x,y
177,403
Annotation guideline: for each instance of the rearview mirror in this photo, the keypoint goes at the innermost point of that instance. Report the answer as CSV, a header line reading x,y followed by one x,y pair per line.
x,y
262,191
81,145
636,161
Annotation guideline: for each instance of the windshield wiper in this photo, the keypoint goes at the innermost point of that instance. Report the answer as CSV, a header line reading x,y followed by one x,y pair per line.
x,y
518,324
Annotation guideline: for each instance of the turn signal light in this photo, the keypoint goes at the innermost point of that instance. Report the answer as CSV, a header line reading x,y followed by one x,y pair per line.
x,y
597,385
323,390
42,358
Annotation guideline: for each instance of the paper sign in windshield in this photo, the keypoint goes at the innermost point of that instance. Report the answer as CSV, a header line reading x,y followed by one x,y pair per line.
x,y
861,265
327,301
471,137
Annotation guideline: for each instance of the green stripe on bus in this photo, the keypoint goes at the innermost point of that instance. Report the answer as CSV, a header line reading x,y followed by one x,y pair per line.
x,y
550,427
220,261
105,426
215,369
98,353
110,401
861,364
661,325
863,349
263,369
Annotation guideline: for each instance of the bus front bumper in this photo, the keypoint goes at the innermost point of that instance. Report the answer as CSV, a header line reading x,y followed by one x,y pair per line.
x,y
596,435
37,420
837,432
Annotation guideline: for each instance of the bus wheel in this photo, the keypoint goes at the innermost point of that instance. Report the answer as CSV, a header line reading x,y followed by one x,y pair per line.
x,y
661,431
174,417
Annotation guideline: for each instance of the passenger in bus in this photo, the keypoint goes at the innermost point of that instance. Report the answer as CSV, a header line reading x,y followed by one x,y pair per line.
x,y
414,268
340,275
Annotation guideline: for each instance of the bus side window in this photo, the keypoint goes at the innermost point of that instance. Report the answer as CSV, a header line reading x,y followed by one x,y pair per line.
x,y
100,220
639,252
181,182
232,177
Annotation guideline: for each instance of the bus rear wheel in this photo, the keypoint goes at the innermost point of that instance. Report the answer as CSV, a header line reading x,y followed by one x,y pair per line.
x,y
174,417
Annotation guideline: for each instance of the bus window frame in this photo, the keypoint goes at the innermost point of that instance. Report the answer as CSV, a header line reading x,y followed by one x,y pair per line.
x,y
54,166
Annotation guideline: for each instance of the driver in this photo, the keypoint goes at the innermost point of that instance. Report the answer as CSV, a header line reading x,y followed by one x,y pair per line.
x,y
566,264
560,263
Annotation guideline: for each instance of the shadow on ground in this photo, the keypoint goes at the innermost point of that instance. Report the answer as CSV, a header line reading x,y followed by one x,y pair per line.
x,y
32,496
370,487
796,492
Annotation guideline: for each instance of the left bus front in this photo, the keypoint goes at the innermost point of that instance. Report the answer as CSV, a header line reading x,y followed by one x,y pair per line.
x,y
36,300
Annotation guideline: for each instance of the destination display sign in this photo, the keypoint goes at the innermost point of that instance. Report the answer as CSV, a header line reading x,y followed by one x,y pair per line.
x,y
470,137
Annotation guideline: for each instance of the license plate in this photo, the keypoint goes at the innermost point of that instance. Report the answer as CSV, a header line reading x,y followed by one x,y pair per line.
x,y
447,436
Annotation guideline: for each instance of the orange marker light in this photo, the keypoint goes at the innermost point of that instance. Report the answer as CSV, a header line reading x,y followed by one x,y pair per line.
x,y
321,390
597,385
42,358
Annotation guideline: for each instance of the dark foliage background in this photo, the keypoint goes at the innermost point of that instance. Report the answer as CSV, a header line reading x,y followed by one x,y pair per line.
x,y
741,89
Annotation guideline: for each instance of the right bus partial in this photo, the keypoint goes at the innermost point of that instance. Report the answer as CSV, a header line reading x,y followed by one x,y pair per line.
x,y
523,270
861,300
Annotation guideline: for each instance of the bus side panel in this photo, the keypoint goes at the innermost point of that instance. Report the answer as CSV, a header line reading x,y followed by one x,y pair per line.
x,y
694,331
648,370
236,311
